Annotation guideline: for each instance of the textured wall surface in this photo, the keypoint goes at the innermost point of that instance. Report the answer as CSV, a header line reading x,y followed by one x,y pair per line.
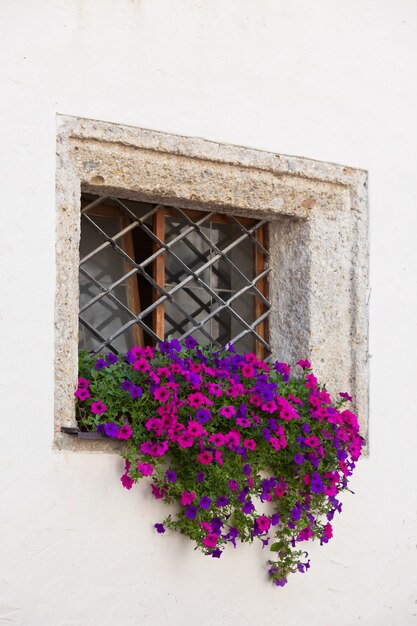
x,y
329,81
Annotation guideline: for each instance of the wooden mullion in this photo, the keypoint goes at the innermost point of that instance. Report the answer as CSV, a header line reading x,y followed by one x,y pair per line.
x,y
133,288
262,285
159,272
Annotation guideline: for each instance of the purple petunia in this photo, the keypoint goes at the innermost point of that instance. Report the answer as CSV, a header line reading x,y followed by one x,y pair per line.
x,y
159,527
111,358
216,524
216,554
126,385
316,483
200,477
191,512
298,458
248,507
203,416
171,476
222,501
111,429
266,433
296,513
274,519
100,364
205,502
247,469
190,343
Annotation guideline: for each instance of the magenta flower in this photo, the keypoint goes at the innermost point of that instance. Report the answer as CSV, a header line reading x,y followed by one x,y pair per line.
x,y
125,432
141,365
243,422
126,481
98,407
343,395
227,411
205,458
305,534
304,363
145,469
195,429
210,540
187,497
82,394
185,440
83,383
217,439
157,492
264,523
162,394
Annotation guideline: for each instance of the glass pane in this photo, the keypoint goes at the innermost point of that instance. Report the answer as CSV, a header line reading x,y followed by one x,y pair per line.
x,y
105,267
220,276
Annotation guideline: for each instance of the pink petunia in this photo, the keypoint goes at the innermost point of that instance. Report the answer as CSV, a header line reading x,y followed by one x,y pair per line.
x,y
227,411
98,407
141,365
275,443
195,429
218,457
82,394
305,534
187,497
311,381
145,469
83,383
185,440
232,438
210,540
243,422
263,523
328,531
126,481
249,444
125,432
162,394
248,371
312,441
205,458
217,439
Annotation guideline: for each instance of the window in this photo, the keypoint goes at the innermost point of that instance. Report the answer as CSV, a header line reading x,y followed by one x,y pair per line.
x,y
166,221
149,271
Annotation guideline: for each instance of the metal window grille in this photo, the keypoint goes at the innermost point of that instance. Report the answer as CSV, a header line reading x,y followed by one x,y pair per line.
x,y
149,271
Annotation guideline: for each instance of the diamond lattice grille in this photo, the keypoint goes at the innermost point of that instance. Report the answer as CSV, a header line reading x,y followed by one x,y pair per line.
x,y
149,271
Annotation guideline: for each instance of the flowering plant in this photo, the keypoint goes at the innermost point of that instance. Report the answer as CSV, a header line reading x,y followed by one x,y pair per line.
x,y
244,450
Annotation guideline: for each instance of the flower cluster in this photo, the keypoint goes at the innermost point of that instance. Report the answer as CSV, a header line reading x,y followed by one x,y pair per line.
x,y
244,448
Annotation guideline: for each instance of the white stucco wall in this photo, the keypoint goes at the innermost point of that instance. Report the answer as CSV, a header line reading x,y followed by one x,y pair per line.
x,y
328,80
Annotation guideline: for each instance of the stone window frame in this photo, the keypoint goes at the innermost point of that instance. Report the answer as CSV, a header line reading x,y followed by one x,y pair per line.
x,y
318,241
